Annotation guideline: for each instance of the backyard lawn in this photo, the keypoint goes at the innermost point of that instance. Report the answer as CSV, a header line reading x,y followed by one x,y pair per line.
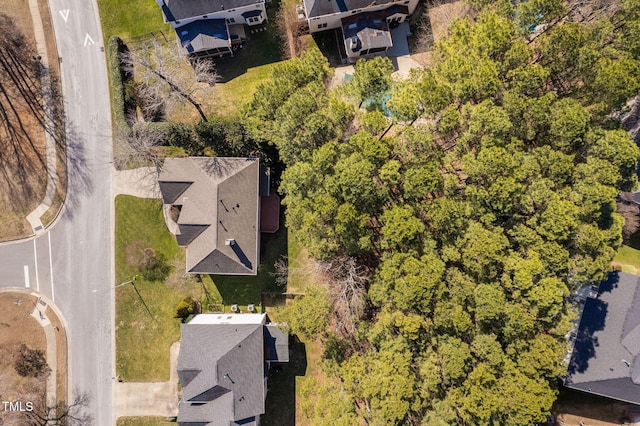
x,y
145,323
628,256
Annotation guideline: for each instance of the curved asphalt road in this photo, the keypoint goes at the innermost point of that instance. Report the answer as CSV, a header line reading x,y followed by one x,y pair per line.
x,y
75,255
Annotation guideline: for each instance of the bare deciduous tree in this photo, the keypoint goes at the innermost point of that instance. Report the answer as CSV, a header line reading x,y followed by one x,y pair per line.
x,y
72,414
346,281
164,78
583,11
137,145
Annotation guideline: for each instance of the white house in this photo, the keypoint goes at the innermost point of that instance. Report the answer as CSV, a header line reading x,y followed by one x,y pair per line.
x,y
365,24
212,27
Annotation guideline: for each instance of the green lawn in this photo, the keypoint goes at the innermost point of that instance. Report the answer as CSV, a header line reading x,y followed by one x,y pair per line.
x,y
126,19
229,97
627,255
245,290
143,339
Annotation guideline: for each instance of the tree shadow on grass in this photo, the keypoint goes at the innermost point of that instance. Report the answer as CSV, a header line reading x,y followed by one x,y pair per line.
x,y
262,46
280,407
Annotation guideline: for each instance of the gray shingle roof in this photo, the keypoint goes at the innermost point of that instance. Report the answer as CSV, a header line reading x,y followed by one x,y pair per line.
x,y
221,369
204,34
276,344
606,355
175,10
219,216
317,8
371,30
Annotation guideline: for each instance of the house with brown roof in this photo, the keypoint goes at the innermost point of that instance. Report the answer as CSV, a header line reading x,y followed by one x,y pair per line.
x,y
212,205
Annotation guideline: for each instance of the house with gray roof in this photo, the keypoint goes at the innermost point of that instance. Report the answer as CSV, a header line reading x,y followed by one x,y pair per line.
x,y
365,24
211,28
212,205
223,366
606,356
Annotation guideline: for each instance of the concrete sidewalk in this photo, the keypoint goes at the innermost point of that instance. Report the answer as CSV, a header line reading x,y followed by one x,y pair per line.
x,y
50,144
52,356
149,399
141,182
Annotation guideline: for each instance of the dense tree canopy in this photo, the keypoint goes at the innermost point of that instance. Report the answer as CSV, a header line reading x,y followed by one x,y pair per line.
x,y
476,218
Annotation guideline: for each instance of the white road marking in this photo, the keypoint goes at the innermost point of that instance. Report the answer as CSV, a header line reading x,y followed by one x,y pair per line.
x,y
53,299
26,276
35,257
88,40
65,14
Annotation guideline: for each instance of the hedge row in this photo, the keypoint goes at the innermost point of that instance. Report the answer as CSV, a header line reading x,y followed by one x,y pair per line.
x,y
116,46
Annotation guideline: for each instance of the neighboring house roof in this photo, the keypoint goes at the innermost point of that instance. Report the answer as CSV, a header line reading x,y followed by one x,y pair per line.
x,y
175,10
203,35
221,369
606,356
219,212
317,8
367,30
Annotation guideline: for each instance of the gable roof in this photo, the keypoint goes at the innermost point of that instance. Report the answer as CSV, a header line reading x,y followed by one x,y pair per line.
x,y
221,369
315,8
204,34
219,215
606,355
175,10
370,29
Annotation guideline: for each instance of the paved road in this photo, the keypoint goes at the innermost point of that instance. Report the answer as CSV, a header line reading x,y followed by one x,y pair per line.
x,y
76,255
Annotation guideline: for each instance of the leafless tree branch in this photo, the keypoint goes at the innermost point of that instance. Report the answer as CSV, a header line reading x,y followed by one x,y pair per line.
x,y
160,69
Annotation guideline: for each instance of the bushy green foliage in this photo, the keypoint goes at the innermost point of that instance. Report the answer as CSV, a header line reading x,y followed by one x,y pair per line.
x,y
185,308
293,111
477,226
309,315
115,47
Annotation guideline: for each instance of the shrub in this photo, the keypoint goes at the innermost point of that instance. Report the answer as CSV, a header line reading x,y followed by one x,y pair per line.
x,y
115,47
185,308
30,362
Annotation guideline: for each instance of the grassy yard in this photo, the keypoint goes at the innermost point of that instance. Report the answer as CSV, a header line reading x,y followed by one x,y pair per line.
x,y
628,256
229,97
142,338
127,19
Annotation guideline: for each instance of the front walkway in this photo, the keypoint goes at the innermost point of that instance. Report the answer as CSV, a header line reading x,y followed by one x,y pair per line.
x,y
149,398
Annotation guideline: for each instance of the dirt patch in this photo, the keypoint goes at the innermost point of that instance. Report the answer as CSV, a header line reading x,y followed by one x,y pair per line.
x,y
23,177
575,408
135,252
18,327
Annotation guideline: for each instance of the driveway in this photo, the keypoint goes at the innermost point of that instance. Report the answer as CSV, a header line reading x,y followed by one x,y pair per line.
x,y
149,399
